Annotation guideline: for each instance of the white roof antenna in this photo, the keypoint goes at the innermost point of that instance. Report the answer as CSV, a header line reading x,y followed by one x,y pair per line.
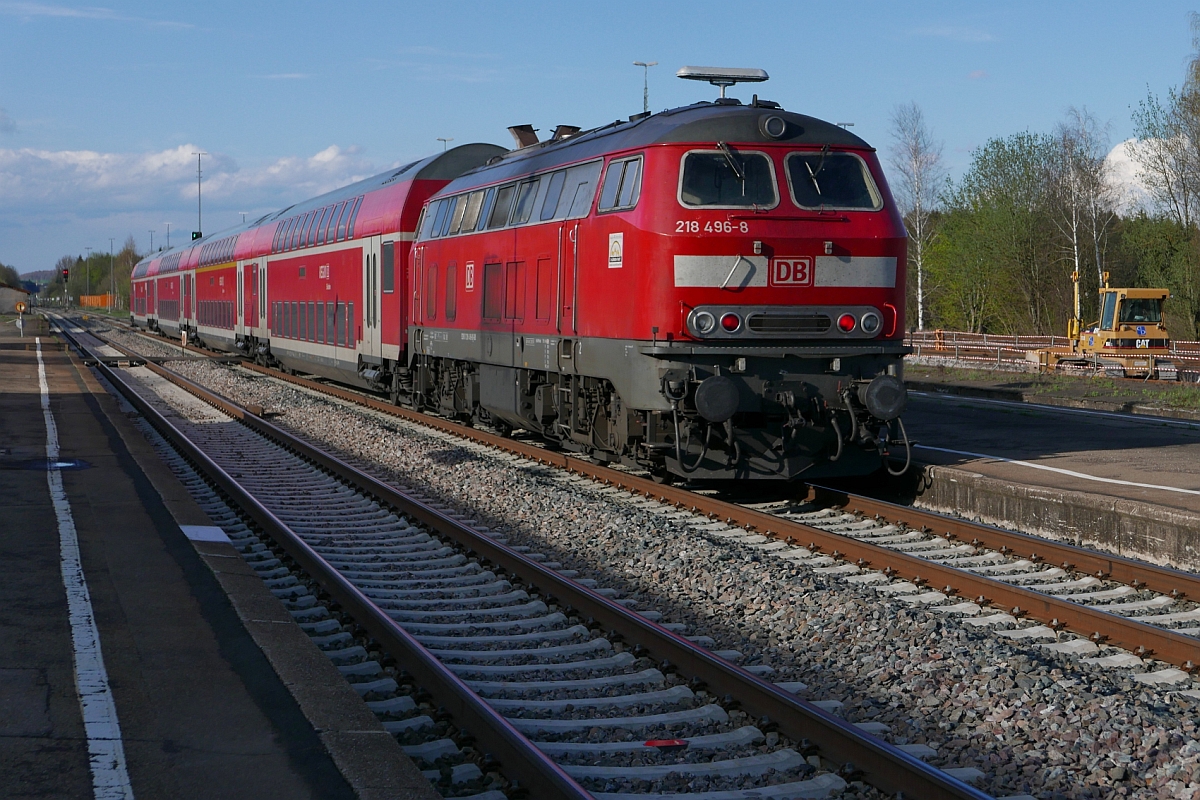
x,y
722,76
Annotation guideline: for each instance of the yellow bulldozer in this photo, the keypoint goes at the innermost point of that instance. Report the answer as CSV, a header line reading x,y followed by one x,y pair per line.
x,y
1129,340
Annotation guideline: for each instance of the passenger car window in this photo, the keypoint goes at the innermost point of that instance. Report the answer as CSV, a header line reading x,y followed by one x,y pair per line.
x,y
831,180
727,179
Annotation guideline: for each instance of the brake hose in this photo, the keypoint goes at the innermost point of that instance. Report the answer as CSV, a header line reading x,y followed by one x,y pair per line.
x,y
679,451
907,451
838,431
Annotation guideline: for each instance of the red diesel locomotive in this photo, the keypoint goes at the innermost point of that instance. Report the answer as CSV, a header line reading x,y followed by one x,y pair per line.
x,y
715,291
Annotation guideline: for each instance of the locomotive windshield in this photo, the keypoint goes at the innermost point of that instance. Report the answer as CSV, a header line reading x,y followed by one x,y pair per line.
x,y
726,178
831,180
1137,311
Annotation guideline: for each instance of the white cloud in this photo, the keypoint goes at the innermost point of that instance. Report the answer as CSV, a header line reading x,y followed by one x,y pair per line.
x,y
1132,194
46,180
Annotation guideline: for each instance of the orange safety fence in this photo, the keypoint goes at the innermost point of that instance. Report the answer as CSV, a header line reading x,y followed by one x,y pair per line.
x,y
96,300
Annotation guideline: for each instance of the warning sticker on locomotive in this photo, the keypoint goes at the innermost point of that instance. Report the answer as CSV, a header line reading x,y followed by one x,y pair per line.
x,y
616,250
791,271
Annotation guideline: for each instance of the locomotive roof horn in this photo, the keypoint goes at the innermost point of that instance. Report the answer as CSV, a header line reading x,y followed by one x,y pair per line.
x,y
722,77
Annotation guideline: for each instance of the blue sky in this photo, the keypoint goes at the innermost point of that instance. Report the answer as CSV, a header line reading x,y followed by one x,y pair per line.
x,y
101,107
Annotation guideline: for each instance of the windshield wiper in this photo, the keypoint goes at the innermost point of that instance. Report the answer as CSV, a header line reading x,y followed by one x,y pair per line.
x,y
731,159
812,174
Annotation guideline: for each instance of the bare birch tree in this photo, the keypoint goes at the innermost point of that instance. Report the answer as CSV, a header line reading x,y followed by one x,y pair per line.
x,y
1085,197
1167,148
917,161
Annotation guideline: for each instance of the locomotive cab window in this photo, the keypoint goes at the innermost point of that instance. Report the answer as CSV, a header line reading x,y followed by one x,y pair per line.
x,y
622,185
831,180
727,178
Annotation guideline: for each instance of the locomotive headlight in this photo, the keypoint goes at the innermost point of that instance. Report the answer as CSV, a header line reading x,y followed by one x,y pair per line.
x,y
731,322
869,323
846,323
704,322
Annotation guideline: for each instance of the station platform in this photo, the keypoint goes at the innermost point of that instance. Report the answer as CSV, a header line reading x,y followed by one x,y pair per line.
x,y
216,692
1126,483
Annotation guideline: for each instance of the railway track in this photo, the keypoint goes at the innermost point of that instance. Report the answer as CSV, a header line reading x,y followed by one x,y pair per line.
x,y
567,689
1081,600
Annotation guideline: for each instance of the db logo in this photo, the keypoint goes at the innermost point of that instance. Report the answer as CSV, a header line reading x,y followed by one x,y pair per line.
x,y
794,271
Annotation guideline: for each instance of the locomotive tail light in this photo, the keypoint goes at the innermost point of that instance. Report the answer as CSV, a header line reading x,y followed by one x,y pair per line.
x,y
704,322
846,323
870,323
732,323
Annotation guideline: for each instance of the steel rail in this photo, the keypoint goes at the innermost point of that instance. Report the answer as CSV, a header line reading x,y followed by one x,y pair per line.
x,y
1166,645
520,760
861,756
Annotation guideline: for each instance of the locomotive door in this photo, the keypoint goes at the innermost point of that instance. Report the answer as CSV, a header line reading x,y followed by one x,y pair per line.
x,y
372,293
568,295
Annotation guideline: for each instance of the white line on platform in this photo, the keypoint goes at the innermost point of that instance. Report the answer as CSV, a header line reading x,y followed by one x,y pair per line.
x,y
1072,473
1145,419
106,751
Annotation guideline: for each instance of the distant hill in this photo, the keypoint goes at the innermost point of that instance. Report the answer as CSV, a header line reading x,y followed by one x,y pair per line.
x,y
40,276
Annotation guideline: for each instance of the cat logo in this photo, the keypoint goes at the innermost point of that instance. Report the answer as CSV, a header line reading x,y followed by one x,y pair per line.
x,y
616,250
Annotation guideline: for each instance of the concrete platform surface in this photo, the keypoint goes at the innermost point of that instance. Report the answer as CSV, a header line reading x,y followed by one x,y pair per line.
x,y
203,711
1146,459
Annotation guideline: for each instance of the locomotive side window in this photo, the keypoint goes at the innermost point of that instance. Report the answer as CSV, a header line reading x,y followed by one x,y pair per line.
x,y
485,211
579,190
622,185
553,193
727,178
499,215
439,217
831,180
456,218
471,215
524,205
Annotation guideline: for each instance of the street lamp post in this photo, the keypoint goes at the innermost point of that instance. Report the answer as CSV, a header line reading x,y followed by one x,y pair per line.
x,y
87,272
168,234
151,241
645,65
199,214
445,141
112,280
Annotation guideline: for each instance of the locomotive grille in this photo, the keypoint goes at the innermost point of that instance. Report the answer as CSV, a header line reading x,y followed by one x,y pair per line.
x,y
776,322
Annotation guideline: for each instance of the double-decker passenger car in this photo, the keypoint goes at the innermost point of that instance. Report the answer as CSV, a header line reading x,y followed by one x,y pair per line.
x,y
714,291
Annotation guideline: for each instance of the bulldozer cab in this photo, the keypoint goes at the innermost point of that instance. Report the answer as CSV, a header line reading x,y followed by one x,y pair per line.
x,y
1130,319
